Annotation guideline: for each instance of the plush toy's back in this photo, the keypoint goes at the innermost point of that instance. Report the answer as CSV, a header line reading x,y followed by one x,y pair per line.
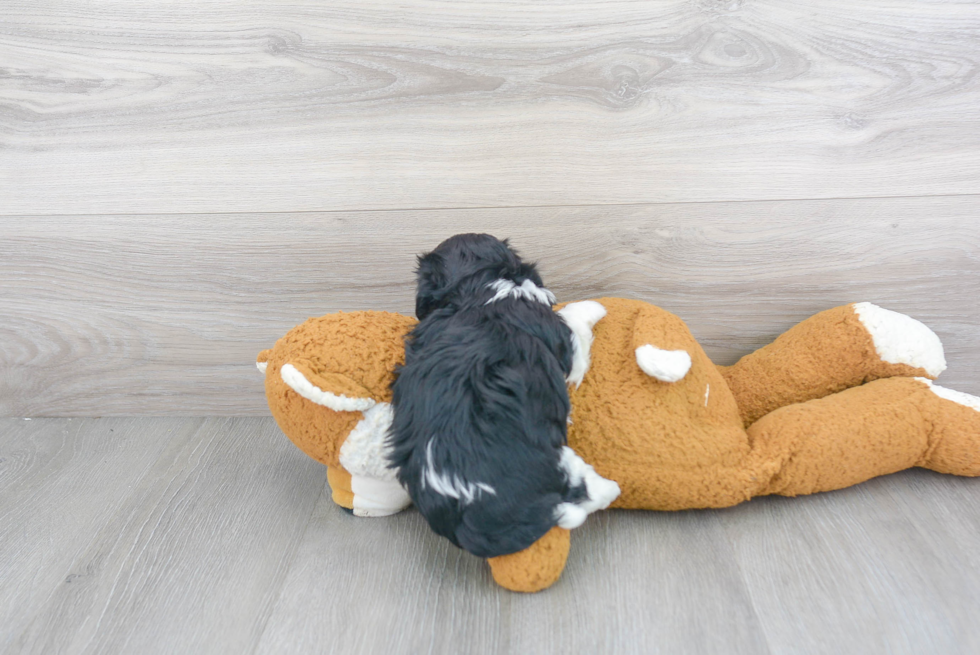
x,y
665,443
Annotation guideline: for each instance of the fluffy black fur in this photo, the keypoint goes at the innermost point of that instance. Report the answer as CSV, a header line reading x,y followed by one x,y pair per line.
x,y
483,387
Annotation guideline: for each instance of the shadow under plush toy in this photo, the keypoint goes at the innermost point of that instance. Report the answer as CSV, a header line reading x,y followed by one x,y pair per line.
x,y
842,397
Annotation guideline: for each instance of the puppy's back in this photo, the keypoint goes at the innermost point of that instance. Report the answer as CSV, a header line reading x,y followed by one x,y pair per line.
x,y
480,420
480,406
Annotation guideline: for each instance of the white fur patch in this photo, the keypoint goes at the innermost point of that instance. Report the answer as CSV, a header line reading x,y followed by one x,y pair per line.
x,y
601,492
581,317
365,450
262,366
339,403
375,498
528,289
957,397
453,487
570,515
900,339
665,365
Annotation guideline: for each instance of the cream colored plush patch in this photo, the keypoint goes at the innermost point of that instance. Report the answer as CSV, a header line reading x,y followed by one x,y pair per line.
x,y
365,450
581,317
900,339
664,365
958,397
375,498
364,454
262,366
339,403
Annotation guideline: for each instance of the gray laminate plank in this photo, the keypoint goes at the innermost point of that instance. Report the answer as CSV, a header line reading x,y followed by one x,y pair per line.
x,y
643,582
634,583
116,315
853,571
158,535
947,512
232,105
189,559
61,482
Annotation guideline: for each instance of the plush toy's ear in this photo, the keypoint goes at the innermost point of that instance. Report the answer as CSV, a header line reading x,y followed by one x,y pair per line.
x,y
660,342
262,361
333,390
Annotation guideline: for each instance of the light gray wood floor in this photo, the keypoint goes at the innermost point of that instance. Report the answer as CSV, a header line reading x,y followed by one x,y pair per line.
x,y
216,535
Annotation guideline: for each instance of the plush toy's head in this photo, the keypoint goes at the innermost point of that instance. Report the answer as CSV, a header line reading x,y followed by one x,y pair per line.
x,y
330,376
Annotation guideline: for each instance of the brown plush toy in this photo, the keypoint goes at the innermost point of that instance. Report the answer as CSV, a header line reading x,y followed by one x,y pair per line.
x,y
843,397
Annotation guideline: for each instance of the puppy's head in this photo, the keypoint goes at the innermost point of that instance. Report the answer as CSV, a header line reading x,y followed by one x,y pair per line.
x,y
461,266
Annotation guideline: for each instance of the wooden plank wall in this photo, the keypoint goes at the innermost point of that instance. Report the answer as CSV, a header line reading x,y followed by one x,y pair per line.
x,y
182,182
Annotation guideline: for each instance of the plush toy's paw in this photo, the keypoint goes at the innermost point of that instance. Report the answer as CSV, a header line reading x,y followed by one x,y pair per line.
x,y
340,491
954,417
664,365
366,497
900,339
581,317
364,454
958,397
599,492
377,498
534,568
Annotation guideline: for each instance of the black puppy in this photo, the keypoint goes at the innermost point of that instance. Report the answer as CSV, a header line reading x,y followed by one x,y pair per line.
x,y
481,406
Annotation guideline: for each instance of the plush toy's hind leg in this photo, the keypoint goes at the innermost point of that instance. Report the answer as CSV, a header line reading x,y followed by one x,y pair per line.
x,y
829,352
534,568
955,421
339,481
878,428
366,496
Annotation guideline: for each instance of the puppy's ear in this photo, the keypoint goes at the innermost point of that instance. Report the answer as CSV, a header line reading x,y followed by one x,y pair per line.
x,y
432,280
528,271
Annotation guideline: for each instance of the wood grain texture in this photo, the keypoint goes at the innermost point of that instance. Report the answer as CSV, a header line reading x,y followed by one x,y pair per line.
x,y
137,535
634,583
820,576
225,106
166,535
117,315
60,482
